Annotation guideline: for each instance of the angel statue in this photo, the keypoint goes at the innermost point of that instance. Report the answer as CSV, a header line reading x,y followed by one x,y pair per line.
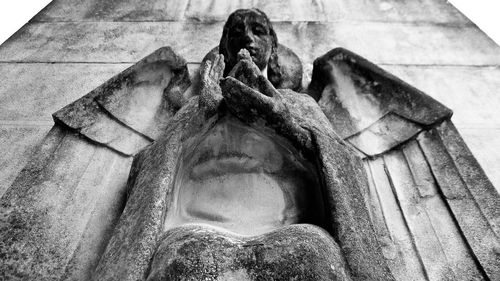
x,y
237,172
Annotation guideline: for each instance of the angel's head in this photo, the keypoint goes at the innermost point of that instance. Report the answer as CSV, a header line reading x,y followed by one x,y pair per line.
x,y
251,29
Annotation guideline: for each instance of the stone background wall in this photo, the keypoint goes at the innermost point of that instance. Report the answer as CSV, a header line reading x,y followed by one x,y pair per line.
x,y
72,46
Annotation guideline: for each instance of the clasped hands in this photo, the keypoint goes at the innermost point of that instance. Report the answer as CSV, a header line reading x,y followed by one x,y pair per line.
x,y
251,97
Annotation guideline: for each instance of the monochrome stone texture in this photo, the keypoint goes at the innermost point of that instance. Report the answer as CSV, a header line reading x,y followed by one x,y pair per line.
x,y
267,143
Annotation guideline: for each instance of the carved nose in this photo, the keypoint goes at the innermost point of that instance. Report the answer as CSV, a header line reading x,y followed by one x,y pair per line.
x,y
249,37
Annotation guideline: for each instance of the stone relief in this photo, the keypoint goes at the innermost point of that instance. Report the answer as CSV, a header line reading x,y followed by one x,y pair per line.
x,y
237,172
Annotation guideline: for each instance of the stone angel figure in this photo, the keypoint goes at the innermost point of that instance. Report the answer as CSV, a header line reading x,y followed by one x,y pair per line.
x,y
236,172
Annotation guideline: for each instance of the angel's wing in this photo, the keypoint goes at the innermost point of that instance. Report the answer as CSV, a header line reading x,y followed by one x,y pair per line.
x,y
59,213
436,214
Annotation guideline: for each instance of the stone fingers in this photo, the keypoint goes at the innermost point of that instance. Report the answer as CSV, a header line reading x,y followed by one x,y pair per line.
x,y
265,86
217,69
205,69
247,72
245,101
210,92
250,105
243,54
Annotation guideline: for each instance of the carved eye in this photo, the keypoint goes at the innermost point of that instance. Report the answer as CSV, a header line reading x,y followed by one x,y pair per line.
x,y
237,30
259,30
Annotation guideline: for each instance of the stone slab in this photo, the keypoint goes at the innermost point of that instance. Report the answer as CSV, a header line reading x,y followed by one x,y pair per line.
x,y
114,10
35,91
484,143
485,146
127,42
471,92
397,10
16,145
395,43
282,10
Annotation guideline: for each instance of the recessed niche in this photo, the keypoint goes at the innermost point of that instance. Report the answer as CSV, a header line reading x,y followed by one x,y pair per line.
x,y
244,179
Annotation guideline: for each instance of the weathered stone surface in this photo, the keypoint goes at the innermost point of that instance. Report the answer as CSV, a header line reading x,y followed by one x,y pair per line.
x,y
296,252
370,108
444,255
145,96
291,69
293,116
114,10
479,141
393,10
393,235
389,43
14,157
40,89
105,213
111,42
354,94
134,240
87,118
471,92
268,186
35,91
389,131
396,43
298,118
48,210
478,185
133,108
282,10
216,10
419,42
333,11
418,235
473,201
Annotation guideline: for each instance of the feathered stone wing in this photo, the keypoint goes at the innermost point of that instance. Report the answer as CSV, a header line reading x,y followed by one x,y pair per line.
x,y
436,214
61,210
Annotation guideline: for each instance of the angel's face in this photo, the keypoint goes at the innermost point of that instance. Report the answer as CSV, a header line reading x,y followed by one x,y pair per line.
x,y
250,31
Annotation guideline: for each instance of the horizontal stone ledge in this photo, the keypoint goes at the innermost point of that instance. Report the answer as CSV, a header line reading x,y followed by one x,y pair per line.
x,y
281,10
33,91
198,63
381,43
274,22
